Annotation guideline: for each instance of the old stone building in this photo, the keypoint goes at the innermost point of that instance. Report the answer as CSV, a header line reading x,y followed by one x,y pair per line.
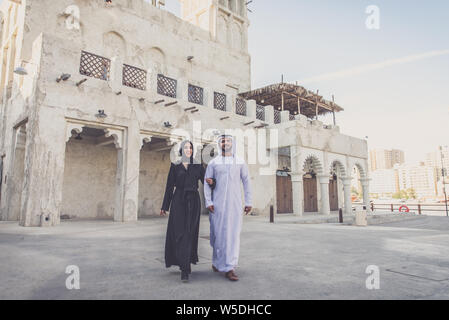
x,y
96,93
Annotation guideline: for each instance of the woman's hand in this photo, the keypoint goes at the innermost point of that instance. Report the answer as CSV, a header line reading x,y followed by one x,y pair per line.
x,y
163,212
210,181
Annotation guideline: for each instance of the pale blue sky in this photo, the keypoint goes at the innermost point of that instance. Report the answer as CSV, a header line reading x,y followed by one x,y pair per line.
x,y
403,105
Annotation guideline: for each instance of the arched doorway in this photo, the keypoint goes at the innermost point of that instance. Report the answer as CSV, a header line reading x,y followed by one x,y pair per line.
x,y
90,176
337,173
284,195
333,193
311,169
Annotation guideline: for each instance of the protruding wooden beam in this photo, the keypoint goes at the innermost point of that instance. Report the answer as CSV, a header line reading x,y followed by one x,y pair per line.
x,y
171,103
299,106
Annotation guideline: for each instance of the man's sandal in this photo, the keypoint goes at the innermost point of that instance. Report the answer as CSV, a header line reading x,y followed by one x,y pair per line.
x,y
232,276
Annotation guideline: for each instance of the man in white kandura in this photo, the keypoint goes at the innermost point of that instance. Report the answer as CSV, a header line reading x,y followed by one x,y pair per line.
x,y
226,206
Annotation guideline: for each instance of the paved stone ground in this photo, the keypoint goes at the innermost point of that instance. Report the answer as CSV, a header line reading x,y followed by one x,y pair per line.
x,y
278,261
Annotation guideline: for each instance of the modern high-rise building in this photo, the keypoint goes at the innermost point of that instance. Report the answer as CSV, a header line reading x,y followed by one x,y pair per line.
x,y
385,159
437,160
384,182
421,178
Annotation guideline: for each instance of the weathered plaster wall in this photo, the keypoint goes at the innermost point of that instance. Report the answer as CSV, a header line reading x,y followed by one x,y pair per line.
x,y
141,35
89,180
154,167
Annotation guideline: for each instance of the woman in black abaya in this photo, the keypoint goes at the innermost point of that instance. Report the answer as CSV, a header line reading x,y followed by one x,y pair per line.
x,y
181,244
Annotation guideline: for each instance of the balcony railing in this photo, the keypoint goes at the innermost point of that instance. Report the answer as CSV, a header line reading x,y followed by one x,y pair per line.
x,y
166,86
260,113
277,116
134,77
240,107
195,94
95,66
220,101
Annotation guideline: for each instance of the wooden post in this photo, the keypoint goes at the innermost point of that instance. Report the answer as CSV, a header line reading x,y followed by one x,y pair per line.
x,y
419,208
299,106
392,208
282,98
372,206
316,104
340,215
333,110
271,214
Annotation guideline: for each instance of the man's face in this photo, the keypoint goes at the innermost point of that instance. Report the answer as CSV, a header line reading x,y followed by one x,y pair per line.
x,y
226,144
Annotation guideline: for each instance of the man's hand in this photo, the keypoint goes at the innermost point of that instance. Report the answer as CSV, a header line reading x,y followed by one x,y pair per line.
x,y
211,209
210,181
163,212
248,210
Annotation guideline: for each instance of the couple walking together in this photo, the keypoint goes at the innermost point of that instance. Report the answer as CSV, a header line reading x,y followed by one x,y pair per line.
x,y
222,180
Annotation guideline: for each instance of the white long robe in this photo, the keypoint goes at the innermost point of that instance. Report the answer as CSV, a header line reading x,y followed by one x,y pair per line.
x,y
226,221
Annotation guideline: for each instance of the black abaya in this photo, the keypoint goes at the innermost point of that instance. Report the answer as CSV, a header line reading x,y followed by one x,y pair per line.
x,y
181,244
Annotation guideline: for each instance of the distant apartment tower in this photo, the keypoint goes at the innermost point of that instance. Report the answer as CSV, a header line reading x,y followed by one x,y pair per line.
x,y
437,160
381,159
420,178
384,182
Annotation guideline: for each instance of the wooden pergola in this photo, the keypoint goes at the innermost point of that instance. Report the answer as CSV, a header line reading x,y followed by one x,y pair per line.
x,y
294,98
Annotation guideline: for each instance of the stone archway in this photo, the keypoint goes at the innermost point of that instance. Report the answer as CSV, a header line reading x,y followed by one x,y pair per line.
x,y
93,173
336,177
362,184
312,169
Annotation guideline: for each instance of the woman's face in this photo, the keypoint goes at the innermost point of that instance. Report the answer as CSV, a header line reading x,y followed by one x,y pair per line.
x,y
188,150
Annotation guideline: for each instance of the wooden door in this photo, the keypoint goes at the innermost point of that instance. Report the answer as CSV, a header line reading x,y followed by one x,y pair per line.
x,y
310,195
333,194
284,194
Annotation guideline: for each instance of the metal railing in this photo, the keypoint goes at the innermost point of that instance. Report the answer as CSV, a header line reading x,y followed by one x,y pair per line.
x,y
420,208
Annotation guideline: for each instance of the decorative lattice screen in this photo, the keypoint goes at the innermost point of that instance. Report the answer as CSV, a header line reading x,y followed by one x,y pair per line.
x,y
134,77
260,112
92,65
195,94
240,107
220,101
292,117
166,86
277,116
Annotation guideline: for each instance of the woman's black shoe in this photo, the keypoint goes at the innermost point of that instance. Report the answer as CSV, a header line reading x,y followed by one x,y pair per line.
x,y
184,276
